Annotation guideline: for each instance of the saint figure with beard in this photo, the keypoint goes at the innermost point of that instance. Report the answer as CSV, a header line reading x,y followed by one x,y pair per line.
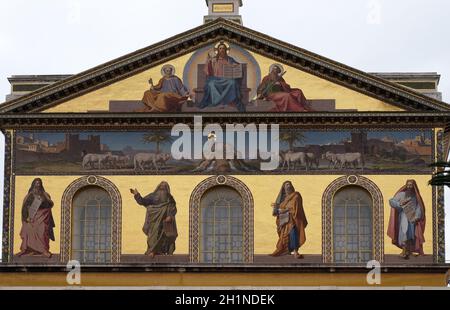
x,y
407,220
160,225
291,221
37,221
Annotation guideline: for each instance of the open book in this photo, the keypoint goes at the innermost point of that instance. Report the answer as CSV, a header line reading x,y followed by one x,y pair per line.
x,y
283,219
410,211
232,71
32,210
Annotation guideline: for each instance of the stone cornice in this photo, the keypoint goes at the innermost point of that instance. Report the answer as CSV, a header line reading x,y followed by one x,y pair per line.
x,y
253,268
135,120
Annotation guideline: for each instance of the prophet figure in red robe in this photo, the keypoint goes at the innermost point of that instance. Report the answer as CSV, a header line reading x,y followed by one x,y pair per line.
x,y
37,221
274,88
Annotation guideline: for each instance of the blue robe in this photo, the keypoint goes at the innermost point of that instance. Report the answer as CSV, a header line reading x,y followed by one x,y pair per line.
x,y
222,91
174,85
407,230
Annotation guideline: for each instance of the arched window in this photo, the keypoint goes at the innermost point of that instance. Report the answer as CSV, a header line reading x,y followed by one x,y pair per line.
x,y
352,225
91,232
221,222
352,221
91,219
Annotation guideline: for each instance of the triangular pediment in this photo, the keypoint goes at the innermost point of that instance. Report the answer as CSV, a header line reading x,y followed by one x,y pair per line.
x,y
316,84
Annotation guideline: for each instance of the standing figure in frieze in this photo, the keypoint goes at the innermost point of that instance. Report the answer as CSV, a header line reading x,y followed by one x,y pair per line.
x,y
291,221
37,221
407,220
160,225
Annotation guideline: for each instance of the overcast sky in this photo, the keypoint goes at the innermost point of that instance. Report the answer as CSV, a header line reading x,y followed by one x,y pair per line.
x,y
69,36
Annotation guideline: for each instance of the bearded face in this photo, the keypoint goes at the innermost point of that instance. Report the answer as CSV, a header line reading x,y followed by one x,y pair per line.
x,y
222,51
288,188
162,193
37,187
410,192
275,72
168,72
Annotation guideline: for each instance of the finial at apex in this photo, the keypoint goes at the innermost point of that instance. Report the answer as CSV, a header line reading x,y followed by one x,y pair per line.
x,y
227,9
207,4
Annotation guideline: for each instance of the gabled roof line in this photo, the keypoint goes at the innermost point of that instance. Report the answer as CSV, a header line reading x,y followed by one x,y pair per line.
x,y
188,41
109,66
334,65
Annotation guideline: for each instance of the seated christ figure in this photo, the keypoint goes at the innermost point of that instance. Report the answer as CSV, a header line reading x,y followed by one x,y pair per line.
x,y
221,89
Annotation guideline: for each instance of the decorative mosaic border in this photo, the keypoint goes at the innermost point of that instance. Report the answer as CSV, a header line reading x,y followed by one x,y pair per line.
x,y
66,215
194,217
439,208
8,210
408,171
12,211
327,215
318,120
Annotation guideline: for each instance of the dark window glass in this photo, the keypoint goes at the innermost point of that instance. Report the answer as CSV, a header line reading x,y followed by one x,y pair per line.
x,y
352,225
221,226
91,232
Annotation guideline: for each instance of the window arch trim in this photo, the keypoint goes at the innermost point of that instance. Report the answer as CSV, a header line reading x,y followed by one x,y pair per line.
x,y
327,215
66,215
194,211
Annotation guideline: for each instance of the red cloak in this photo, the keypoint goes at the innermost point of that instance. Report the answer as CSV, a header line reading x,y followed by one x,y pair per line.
x,y
288,99
419,226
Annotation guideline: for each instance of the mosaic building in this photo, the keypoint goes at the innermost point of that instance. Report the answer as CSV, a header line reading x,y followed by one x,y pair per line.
x,y
330,169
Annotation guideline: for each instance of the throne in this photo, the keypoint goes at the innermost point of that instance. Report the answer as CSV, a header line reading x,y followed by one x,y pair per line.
x,y
199,92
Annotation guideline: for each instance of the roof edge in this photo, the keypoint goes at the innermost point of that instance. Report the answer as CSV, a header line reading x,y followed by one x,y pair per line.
x,y
220,28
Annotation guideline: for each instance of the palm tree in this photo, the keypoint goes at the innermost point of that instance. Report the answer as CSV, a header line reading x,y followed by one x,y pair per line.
x,y
442,176
292,137
158,138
